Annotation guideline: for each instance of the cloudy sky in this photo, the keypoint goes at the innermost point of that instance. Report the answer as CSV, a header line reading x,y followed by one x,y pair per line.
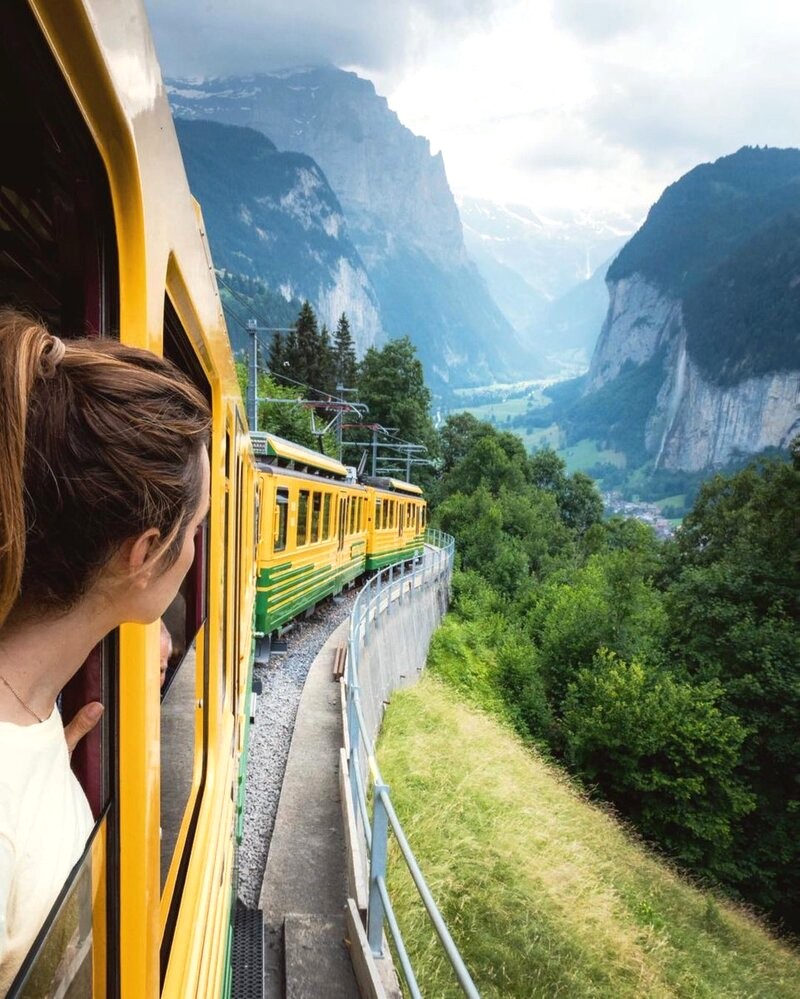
x,y
558,104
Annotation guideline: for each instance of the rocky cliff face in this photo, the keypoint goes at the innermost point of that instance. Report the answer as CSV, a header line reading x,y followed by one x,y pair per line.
x,y
639,321
698,425
273,215
397,204
694,423
703,325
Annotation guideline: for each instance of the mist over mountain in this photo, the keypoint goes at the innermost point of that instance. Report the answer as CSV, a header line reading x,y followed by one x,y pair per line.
x,y
567,329
398,208
546,273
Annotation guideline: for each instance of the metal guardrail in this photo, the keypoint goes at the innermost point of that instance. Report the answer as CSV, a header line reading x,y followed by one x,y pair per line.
x,y
385,591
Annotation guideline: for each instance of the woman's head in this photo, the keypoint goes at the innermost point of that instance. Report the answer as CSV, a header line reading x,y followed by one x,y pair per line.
x,y
101,444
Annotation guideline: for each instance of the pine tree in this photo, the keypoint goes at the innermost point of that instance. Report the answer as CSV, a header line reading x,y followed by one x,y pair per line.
x,y
303,365
277,354
345,354
325,369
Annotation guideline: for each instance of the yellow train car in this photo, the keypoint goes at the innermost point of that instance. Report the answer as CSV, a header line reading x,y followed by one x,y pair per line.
x,y
396,524
313,539
101,236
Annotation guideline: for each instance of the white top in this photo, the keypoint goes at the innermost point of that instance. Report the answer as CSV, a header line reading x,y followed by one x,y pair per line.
x,y
44,823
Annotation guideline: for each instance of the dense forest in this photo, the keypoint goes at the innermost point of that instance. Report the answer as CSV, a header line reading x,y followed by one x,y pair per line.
x,y
665,676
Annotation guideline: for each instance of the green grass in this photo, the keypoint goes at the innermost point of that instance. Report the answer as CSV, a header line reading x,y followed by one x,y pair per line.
x,y
679,499
545,894
541,437
498,410
586,454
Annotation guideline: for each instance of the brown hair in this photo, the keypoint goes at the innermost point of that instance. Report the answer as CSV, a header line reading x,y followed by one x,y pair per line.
x,y
99,442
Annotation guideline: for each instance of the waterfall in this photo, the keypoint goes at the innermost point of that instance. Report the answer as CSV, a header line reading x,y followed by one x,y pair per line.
x,y
675,396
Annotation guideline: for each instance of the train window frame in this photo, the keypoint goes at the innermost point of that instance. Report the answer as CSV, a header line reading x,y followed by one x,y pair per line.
x,y
302,517
280,527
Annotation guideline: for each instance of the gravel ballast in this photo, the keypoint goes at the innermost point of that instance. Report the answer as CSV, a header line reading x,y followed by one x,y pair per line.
x,y
271,734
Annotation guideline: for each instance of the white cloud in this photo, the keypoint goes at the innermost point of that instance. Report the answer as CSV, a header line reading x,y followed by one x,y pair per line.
x,y
219,37
547,102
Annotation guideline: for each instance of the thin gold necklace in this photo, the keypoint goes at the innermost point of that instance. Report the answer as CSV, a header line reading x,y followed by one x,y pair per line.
x,y
27,708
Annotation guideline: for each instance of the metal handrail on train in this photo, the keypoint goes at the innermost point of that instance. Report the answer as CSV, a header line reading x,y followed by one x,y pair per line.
x,y
380,594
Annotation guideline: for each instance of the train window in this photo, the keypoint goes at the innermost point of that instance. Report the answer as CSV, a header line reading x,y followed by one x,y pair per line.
x,y
326,516
67,947
256,519
316,510
342,521
360,524
401,516
240,557
302,518
378,512
186,683
352,516
281,519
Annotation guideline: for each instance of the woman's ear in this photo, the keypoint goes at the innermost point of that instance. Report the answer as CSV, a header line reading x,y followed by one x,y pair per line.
x,y
139,555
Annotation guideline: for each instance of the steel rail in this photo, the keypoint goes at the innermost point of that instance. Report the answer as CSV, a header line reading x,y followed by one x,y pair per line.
x,y
377,597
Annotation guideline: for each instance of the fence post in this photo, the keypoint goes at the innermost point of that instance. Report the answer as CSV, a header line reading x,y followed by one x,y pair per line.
x,y
355,740
377,869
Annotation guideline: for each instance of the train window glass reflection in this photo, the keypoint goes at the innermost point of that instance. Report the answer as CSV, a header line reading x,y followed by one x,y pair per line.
x,y
316,509
302,518
281,519
326,517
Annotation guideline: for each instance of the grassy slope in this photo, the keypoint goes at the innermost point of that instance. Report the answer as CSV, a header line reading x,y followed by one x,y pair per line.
x,y
545,894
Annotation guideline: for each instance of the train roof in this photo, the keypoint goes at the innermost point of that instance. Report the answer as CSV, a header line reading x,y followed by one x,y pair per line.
x,y
276,451
391,485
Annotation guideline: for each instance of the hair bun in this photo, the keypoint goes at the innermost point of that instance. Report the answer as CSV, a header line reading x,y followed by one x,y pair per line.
x,y
51,357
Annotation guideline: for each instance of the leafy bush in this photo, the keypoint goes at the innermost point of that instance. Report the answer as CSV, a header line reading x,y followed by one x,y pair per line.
x,y
663,752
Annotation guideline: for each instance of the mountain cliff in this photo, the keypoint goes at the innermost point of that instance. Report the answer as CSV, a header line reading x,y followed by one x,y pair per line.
x,y
704,307
273,216
400,213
